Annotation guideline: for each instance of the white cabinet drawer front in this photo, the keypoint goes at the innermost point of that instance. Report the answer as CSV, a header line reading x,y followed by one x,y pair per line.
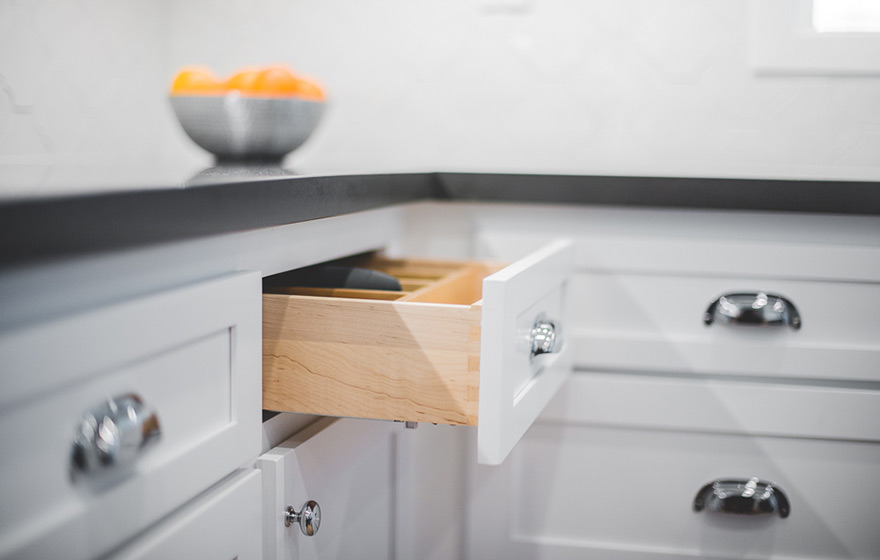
x,y
655,323
514,387
457,351
717,405
223,524
588,492
203,386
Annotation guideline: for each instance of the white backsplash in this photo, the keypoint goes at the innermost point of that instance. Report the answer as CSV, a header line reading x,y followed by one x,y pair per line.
x,y
629,87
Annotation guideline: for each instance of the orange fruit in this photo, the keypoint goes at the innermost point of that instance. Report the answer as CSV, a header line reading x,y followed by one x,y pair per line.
x,y
310,90
195,80
280,81
276,81
244,81
273,81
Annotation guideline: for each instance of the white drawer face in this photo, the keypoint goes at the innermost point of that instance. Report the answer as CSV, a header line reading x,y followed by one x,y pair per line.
x,y
191,355
655,323
222,525
459,349
514,386
588,492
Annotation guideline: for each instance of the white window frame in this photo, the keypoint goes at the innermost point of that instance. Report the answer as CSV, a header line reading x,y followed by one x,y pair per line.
x,y
783,41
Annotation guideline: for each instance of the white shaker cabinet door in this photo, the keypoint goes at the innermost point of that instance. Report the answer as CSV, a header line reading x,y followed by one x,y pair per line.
x,y
347,467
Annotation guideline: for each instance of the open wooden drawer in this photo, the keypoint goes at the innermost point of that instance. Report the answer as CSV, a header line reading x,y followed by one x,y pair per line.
x,y
463,343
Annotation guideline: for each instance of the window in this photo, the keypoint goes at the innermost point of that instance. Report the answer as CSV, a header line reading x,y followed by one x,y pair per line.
x,y
815,37
846,16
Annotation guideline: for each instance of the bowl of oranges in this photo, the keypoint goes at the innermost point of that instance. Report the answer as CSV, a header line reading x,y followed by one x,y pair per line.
x,y
257,114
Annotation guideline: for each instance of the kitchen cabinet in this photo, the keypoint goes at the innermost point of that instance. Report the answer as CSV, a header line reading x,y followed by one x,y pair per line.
x,y
132,390
658,403
662,403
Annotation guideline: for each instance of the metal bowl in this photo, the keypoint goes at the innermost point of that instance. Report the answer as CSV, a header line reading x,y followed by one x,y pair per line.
x,y
236,128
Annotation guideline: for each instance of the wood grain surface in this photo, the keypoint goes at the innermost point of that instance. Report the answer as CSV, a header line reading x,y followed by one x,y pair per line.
x,y
371,358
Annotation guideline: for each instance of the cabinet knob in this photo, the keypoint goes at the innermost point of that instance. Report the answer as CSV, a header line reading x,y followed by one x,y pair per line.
x,y
308,518
113,434
755,308
543,337
751,496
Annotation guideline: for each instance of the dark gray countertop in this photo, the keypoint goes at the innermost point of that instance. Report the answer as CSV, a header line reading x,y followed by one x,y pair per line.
x,y
42,228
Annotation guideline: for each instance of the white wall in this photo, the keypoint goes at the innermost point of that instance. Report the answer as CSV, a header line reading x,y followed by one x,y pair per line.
x,y
81,79
636,87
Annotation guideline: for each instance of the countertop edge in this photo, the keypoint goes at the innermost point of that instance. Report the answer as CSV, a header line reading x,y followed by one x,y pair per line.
x,y
35,230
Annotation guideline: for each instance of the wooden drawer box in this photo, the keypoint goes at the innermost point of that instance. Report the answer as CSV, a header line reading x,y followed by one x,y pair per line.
x,y
453,347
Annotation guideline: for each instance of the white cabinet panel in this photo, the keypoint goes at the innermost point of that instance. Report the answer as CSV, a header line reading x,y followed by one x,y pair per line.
x,y
694,243
348,467
192,354
223,524
588,492
758,407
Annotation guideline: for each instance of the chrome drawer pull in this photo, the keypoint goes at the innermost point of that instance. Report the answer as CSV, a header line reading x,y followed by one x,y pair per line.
x,y
113,434
543,337
758,308
308,518
742,497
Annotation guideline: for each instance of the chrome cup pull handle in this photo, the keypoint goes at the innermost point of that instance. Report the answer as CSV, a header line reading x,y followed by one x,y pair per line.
x,y
113,434
544,337
755,308
751,496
